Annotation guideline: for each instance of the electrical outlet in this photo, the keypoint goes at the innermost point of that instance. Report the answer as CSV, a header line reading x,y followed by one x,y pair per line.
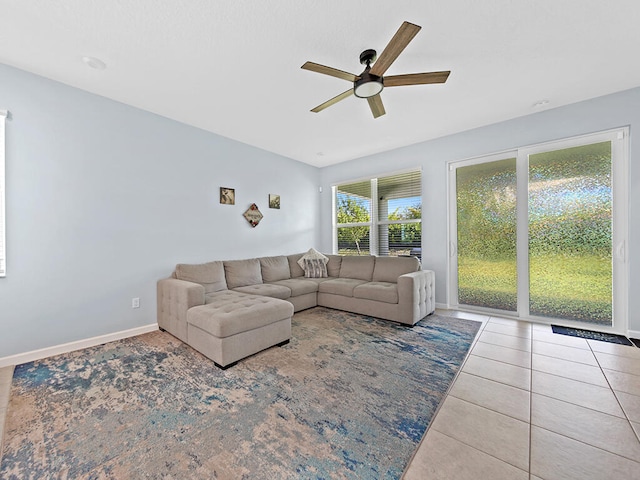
x,y
135,302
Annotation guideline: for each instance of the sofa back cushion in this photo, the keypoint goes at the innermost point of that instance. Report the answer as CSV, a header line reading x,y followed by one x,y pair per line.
x,y
359,268
241,273
209,275
388,269
274,269
333,266
294,269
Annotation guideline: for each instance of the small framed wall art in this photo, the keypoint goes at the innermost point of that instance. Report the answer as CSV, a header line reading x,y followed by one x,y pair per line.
x,y
274,201
227,196
253,215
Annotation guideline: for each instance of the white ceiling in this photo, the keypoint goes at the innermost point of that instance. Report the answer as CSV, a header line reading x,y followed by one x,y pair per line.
x,y
233,66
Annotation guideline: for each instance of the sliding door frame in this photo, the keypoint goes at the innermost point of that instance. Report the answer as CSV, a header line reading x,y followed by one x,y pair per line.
x,y
452,236
620,227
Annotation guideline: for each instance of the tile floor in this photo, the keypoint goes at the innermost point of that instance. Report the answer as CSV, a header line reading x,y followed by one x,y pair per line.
x,y
533,405
528,404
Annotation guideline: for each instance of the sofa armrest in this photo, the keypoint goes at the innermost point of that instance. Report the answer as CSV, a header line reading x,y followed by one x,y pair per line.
x,y
175,297
416,295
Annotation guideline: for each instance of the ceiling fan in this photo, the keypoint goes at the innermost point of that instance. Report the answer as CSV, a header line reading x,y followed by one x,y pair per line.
x,y
370,82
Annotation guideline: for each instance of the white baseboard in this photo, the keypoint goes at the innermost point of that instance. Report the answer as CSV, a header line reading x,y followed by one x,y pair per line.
x,y
77,345
633,333
442,306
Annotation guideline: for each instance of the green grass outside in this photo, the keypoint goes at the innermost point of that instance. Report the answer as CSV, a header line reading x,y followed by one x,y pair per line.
x,y
575,288
486,283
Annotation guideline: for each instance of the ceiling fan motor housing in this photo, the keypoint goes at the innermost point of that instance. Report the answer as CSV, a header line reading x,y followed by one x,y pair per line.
x,y
368,56
367,85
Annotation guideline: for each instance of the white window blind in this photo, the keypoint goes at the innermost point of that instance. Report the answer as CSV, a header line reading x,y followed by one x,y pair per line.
x,y
380,216
3,237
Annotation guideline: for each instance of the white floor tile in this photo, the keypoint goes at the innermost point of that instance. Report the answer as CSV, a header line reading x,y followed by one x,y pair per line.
x,y
555,457
619,363
614,349
515,331
490,432
578,393
468,316
495,396
558,339
564,352
510,322
498,371
502,354
508,341
441,457
623,382
597,429
630,405
573,370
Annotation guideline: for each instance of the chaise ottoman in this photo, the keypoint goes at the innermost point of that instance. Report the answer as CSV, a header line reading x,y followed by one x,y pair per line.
x,y
235,325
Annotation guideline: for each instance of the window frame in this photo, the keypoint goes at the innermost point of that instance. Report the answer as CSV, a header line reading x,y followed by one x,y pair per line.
x,y
374,223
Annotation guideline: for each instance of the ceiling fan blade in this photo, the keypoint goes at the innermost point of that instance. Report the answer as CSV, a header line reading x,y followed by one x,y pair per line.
x,y
416,79
334,72
377,108
334,100
400,40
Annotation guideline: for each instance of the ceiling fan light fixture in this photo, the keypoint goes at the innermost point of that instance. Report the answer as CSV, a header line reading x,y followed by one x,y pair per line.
x,y
367,86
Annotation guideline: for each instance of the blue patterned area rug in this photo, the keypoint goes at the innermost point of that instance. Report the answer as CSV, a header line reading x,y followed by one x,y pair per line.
x,y
349,398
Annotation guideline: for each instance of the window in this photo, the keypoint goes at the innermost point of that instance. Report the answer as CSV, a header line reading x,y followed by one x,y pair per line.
x,y
541,231
3,250
379,216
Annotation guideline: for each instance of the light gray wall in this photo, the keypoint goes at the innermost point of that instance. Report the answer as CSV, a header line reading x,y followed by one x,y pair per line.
x,y
104,199
604,113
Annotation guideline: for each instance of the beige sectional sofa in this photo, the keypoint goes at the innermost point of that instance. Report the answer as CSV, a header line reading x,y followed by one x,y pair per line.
x,y
231,309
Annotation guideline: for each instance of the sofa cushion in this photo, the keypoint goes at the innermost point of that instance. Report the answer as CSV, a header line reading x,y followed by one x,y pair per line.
x,y
299,286
240,273
360,268
295,269
333,265
274,268
386,292
340,286
388,269
230,313
209,275
267,290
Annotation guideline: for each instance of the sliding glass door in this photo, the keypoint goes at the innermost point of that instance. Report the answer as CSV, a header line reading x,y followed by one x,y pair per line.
x,y
540,232
486,234
570,234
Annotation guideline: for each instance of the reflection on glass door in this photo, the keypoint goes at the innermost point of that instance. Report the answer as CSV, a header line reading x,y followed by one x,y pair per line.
x,y
570,234
486,237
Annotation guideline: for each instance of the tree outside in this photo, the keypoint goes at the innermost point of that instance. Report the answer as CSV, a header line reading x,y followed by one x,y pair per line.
x,y
403,238
353,240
